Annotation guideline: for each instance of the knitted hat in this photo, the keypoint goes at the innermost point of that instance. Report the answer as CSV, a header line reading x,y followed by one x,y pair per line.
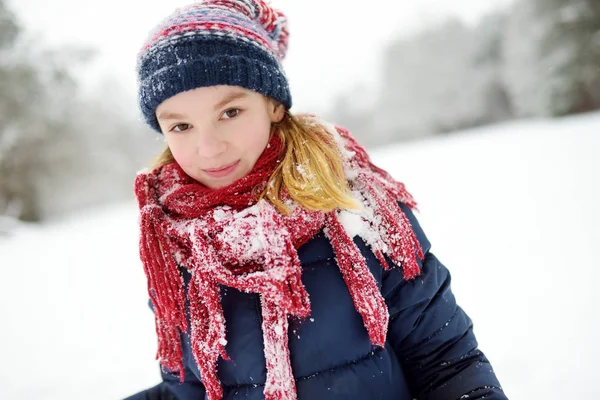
x,y
214,42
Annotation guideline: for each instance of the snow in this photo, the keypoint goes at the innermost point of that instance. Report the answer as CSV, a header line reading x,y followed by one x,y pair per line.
x,y
511,210
353,223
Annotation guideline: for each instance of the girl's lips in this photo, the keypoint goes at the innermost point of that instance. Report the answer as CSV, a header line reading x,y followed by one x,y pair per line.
x,y
220,173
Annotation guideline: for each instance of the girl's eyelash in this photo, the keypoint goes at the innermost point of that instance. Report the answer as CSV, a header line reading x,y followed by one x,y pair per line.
x,y
173,128
239,110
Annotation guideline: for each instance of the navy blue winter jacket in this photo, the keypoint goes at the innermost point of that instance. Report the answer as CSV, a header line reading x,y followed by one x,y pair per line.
x,y
431,351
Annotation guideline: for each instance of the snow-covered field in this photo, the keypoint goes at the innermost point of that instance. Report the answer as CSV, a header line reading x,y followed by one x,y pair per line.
x,y
512,210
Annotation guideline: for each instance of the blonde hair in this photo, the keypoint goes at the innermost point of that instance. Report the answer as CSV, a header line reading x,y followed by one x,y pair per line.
x,y
311,170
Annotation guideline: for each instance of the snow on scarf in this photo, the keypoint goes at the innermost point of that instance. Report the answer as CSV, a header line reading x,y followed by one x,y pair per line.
x,y
226,237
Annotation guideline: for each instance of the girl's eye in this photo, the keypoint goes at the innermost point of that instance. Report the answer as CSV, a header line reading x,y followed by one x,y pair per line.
x,y
185,127
231,113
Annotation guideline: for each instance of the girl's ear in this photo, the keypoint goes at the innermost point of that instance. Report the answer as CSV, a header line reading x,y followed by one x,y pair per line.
x,y
276,111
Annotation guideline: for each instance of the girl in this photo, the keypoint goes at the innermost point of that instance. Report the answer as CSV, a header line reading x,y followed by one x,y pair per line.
x,y
281,263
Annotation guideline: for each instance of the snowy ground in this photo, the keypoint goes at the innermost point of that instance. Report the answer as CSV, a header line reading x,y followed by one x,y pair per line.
x,y
512,210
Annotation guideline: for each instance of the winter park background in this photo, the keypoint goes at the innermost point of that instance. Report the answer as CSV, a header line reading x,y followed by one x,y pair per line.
x,y
488,111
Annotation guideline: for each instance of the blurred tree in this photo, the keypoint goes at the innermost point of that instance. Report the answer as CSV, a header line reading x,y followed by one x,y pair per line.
x,y
114,145
552,49
15,189
569,55
488,62
8,26
425,77
58,150
354,110
422,82
445,78
520,39
35,142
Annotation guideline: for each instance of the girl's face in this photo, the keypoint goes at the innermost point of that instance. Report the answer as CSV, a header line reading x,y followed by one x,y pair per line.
x,y
217,133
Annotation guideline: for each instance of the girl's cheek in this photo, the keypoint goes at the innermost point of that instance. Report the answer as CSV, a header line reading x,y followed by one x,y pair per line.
x,y
182,155
179,151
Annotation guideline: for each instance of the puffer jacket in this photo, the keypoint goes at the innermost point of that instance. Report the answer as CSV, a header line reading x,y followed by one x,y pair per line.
x,y
431,352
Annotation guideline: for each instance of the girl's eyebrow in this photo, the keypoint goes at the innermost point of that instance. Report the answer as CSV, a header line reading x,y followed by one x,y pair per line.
x,y
228,99
168,115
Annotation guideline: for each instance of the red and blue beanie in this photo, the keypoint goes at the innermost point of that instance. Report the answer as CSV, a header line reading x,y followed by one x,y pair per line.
x,y
214,42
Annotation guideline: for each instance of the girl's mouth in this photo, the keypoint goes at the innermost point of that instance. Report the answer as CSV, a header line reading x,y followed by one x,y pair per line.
x,y
223,171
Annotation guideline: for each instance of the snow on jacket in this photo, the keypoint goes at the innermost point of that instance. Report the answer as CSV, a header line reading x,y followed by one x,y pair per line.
x,y
431,352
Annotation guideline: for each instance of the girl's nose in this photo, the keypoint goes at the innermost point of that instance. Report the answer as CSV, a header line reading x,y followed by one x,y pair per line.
x,y
210,146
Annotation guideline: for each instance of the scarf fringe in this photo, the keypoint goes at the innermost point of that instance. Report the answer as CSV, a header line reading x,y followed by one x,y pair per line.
x,y
167,295
363,288
207,334
280,384
395,229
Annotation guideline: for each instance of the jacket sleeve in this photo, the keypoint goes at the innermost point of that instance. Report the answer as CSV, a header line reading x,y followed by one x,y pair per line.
x,y
191,388
432,336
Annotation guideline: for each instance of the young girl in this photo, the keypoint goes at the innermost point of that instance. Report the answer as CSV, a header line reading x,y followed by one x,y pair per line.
x,y
281,263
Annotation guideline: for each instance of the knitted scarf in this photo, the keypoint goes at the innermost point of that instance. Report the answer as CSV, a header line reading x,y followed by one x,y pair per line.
x,y
227,237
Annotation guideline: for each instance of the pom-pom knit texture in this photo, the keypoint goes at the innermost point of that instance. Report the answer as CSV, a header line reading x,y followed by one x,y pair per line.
x,y
214,42
225,237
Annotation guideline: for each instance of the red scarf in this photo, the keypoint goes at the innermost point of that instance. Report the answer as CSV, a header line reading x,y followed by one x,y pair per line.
x,y
226,237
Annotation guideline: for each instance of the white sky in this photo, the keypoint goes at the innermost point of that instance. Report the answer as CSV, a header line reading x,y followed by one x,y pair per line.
x,y
333,43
